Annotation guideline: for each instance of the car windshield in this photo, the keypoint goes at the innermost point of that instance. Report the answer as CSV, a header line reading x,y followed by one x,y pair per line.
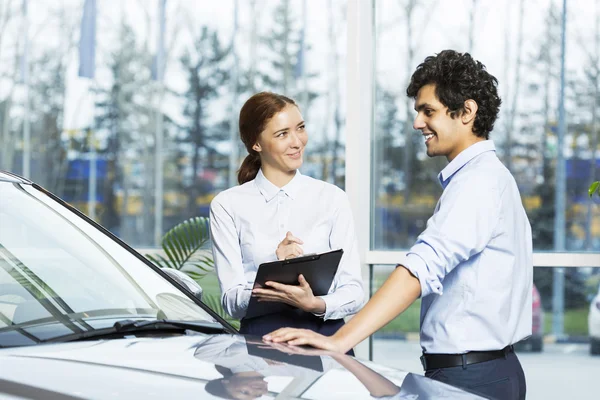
x,y
60,275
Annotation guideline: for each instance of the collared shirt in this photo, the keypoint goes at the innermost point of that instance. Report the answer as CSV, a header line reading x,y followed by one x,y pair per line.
x,y
248,222
474,260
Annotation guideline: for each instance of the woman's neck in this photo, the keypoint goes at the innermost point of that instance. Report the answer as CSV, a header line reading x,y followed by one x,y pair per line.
x,y
277,177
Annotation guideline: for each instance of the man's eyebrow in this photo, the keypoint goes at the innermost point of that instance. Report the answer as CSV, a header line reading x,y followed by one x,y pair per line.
x,y
421,106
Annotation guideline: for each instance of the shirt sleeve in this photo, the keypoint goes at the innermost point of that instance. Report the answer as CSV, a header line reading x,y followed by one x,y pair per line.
x,y
227,255
347,295
462,227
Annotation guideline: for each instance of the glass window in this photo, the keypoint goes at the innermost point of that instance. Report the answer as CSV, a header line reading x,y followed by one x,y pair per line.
x,y
57,271
93,141
519,43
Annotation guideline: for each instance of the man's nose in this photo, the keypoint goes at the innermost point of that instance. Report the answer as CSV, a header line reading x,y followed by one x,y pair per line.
x,y
418,124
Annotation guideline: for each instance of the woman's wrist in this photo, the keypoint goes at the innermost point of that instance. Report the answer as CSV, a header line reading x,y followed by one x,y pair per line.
x,y
318,306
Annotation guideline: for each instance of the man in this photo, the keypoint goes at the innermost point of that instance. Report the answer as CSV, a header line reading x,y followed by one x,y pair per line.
x,y
472,266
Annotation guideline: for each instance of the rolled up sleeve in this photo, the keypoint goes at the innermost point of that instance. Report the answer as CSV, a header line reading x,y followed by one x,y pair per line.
x,y
463,225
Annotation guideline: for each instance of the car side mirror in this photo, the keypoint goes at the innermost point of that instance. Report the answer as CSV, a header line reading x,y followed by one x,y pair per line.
x,y
184,280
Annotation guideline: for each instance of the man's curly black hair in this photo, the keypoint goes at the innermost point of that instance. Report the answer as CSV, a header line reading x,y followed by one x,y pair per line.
x,y
458,77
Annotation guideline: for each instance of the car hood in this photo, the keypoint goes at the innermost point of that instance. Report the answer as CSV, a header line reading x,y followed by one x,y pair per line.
x,y
200,367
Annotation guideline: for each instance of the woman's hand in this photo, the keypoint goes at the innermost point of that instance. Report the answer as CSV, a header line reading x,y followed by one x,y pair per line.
x,y
300,296
289,247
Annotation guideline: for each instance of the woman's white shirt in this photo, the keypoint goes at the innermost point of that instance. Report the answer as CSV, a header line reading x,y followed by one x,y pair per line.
x,y
248,222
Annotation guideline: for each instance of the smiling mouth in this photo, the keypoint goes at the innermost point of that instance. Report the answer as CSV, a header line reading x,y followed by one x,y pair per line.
x,y
295,155
428,137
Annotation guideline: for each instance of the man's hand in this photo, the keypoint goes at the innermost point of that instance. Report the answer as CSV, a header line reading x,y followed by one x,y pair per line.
x,y
300,337
289,247
300,296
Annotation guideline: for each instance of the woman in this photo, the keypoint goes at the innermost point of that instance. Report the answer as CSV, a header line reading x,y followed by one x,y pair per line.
x,y
277,213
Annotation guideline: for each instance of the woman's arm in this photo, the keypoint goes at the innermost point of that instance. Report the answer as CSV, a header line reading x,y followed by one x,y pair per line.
x,y
348,295
227,256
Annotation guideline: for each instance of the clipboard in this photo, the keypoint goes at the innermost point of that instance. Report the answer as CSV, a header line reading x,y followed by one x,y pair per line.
x,y
318,270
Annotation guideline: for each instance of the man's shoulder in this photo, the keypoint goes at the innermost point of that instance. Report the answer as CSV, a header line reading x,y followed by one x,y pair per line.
x,y
486,171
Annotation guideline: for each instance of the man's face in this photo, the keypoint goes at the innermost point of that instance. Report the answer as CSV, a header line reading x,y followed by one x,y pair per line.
x,y
443,135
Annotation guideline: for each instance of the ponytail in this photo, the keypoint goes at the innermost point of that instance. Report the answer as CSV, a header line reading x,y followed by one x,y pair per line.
x,y
249,169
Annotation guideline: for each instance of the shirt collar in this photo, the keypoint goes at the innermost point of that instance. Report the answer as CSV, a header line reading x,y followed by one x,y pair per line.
x,y
269,190
463,158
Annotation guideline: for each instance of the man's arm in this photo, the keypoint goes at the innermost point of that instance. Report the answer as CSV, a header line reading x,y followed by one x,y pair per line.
x,y
398,292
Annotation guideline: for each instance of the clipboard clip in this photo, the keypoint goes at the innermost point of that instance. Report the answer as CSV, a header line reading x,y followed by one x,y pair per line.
x,y
306,257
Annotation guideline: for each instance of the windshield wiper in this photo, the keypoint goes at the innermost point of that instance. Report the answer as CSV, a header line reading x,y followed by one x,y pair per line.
x,y
129,326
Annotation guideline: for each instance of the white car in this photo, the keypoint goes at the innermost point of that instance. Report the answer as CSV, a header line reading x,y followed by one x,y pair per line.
x,y
84,316
594,325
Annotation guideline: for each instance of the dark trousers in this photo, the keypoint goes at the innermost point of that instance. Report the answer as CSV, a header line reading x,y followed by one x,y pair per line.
x,y
502,378
262,325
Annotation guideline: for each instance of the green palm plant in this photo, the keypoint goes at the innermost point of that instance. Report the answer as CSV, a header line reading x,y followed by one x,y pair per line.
x,y
594,188
214,302
185,247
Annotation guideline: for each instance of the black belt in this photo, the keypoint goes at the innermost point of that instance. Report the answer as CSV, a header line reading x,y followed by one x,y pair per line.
x,y
436,361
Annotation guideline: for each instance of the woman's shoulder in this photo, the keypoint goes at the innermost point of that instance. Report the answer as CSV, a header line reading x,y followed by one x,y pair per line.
x,y
325,187
236,192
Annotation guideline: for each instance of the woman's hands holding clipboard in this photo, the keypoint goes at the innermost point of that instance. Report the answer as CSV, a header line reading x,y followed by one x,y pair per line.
x,y
301,295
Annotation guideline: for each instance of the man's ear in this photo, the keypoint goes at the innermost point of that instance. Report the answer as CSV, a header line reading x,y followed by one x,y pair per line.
x,y
257,147
470,110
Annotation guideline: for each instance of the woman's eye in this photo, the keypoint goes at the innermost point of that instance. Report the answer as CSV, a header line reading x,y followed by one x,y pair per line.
x,y
301,128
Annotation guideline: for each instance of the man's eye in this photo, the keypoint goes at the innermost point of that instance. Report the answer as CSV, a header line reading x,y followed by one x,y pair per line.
x,y
428,112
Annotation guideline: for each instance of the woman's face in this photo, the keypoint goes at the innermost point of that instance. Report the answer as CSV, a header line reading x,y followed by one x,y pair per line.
x,y
281,144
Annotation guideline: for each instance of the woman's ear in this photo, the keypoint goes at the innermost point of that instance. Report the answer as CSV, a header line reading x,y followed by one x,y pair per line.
x,y
470,111
257,147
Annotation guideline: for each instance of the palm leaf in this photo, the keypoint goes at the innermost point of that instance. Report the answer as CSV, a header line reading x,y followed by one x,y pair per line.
x,y
594,187
184,247
214,302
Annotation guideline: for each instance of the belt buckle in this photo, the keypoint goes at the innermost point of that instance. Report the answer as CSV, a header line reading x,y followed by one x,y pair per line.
x,y
423,362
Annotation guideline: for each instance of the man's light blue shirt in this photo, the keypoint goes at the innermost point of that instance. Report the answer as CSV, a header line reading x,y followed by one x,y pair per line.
x,y
474,260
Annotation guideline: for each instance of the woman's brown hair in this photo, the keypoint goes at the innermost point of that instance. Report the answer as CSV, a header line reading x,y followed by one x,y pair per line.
x,y
254,115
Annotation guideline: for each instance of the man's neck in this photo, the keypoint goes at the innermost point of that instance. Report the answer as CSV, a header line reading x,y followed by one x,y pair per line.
x,y
468,143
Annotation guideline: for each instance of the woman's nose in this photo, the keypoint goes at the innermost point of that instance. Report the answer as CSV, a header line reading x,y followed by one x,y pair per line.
x,y
296,142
